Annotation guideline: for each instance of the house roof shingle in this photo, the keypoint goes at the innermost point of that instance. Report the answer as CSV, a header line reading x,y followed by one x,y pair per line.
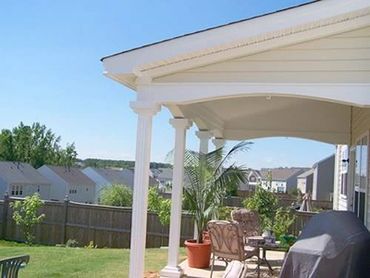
x,y
20,173
124,176
282,174
71,175
306,174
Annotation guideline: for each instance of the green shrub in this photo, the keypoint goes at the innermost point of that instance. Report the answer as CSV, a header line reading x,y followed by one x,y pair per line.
x,y
25,214
282,221
91,245
265,203
159,205
71,243
224,213
287,240
116,195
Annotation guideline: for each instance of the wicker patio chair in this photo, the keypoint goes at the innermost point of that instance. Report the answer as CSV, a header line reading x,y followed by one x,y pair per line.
x,y
227,241
248,220
9,267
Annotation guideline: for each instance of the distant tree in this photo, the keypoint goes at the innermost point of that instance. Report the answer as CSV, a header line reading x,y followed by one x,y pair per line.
x,y
36,145
116,195
25,214
7,145
125,164
68,156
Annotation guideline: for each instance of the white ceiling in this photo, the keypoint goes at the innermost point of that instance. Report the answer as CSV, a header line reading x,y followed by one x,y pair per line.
x,y
251,117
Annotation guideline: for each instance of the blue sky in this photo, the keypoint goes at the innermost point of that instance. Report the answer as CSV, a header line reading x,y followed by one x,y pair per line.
x,y
51,73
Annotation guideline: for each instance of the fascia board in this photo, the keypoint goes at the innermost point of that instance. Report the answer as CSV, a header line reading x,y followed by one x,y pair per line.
x,y
188,46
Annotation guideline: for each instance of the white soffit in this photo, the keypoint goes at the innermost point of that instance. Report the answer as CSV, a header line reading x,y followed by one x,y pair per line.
x,y
306,22
253,117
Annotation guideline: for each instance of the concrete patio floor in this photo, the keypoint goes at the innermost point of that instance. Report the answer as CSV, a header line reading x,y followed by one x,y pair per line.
x,y
274,258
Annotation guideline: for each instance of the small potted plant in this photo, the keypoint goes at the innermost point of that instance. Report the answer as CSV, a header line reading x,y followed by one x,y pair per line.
x,y
209,180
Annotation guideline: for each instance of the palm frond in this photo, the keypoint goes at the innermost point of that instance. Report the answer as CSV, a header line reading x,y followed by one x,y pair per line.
x,y
208,179
240,147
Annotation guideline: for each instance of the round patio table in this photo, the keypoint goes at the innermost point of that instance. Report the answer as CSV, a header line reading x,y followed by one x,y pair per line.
x,y
260,242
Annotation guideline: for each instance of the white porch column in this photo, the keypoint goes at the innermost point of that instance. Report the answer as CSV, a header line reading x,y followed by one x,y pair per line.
x,y
145,113
336,185
218,142
172,269
204,136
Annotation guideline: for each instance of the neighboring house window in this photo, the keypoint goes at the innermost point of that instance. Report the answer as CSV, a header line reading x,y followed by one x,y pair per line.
x,y
280,189
252,179
38,188
17,190
73,191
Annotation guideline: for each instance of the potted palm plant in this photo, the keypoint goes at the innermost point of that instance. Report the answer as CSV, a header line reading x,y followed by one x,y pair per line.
x,y
209,178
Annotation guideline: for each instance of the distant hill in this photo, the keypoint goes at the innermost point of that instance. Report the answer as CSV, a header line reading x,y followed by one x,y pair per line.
x,y
107,163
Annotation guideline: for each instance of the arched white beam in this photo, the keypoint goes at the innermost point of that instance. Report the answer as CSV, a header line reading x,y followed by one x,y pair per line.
x,y
356,94
329,137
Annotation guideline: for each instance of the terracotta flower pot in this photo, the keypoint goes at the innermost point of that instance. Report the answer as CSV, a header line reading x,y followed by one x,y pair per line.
x,y
199,254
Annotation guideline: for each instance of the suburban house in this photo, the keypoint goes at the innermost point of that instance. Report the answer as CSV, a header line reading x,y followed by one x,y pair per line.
x,y
300,72
20,179
305,181
163,176
253,179
280,180
319,180
323,179
68,181
107,176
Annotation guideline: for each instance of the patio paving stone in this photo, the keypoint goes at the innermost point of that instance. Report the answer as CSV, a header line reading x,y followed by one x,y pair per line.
x,y
275,259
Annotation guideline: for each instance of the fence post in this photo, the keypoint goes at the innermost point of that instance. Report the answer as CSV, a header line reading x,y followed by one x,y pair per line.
x,y
5,215
65,220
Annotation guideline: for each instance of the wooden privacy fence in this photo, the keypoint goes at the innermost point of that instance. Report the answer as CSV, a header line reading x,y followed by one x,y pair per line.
x,y
285,200
106,226
302,218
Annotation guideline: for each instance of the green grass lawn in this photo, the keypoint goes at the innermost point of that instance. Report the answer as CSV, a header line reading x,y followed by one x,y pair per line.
x,y
48,261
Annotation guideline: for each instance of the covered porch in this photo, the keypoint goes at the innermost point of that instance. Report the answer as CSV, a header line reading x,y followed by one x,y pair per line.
x,y
301,72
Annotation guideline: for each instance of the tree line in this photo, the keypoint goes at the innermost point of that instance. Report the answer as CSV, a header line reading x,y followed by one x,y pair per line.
x,y
126,164
35,144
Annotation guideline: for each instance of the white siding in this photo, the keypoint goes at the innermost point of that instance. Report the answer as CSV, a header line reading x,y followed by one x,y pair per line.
x,y
301,184
3,188
342,57
84,193
361,125
360,122
99,181
58,189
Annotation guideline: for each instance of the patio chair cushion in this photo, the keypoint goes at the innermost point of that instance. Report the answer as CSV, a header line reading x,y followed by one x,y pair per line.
x,y
235,269
250,251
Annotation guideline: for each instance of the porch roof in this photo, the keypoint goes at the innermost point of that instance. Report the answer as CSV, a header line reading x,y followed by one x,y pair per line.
x,y
300,72
296,72
286,27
